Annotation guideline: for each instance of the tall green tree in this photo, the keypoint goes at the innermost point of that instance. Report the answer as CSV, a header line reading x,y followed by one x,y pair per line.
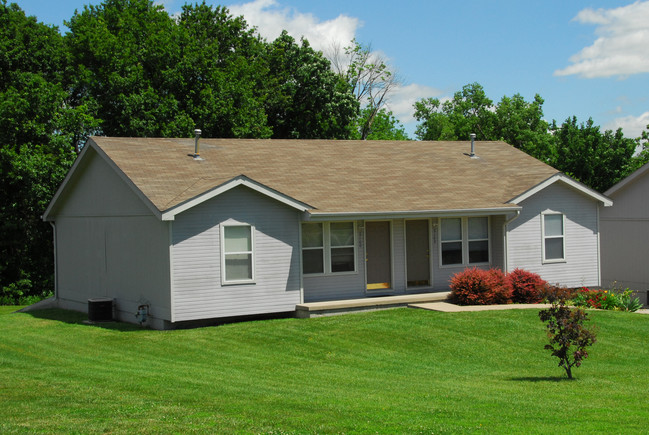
x,y
220,79
597,159
371,80
520,123
384,126
306,99
122,53
38,133
469,111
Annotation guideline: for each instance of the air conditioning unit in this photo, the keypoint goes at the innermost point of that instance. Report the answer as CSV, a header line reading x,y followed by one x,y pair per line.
x,y
100,309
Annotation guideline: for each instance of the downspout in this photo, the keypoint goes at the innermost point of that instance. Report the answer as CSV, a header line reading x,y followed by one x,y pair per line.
x,y
56,267
506,247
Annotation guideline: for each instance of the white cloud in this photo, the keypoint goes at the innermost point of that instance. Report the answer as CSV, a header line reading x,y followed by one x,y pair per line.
x,y
270,19
622,46
404,97
632,126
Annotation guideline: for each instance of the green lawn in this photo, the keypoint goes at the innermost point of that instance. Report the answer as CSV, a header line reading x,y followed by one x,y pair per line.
x,y
394,371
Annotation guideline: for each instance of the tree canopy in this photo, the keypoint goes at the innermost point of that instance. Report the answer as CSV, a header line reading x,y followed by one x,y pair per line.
x,y
581,150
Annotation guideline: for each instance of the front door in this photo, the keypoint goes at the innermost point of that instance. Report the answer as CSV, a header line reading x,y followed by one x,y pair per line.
x,y
378,255
417,253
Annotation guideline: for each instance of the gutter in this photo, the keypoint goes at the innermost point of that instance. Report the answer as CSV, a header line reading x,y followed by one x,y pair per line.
x,y
505,244
382,215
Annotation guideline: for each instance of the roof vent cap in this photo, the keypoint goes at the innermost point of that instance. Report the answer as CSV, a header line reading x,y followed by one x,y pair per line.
x,y
197,134
472,155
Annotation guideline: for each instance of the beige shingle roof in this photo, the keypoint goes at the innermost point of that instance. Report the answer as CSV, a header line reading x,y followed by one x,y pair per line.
x,y
333,176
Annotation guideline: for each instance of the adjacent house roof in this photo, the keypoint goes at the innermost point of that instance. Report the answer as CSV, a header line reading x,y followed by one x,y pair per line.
x,y
628,180
328,177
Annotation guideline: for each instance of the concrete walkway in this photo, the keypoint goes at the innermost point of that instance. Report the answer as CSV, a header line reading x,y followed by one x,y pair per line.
x,y
452,308
447,307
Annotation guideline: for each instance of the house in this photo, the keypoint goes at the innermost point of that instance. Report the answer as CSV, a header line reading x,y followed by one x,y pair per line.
x,y
249,227
625,234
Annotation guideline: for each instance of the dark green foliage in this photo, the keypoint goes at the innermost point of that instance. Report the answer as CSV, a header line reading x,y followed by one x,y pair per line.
x,y
126,68
383,126
597,159
565,327
470,111
306,99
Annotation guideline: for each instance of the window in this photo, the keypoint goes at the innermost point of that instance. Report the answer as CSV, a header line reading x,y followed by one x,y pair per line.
x,y
553,237
451,241
312,248
237,259
464,241
328,247
341,236
478,240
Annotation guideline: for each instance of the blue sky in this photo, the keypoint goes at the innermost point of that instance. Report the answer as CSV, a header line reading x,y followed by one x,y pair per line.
x,y
585,58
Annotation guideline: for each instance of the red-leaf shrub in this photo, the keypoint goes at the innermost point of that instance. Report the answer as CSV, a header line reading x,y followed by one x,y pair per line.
x,y
526,286
480,287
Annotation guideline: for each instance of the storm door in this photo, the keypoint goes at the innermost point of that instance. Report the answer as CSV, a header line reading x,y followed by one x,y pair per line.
x,y
378,255
417,253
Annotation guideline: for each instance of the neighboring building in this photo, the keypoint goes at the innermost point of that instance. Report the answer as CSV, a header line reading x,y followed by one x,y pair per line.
x,y
625,235
258,226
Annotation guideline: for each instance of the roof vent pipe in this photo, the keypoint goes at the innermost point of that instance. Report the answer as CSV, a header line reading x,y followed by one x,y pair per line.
x,y
197,156
472,136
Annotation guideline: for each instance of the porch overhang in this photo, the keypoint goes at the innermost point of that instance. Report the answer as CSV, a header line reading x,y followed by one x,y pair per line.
x,y
314,216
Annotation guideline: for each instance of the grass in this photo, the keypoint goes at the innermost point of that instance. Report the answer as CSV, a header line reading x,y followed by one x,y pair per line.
x,y
393,371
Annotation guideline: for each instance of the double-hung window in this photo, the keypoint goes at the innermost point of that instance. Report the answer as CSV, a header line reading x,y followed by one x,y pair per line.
x,y
312,248
464,241
328,247
237,254
553,237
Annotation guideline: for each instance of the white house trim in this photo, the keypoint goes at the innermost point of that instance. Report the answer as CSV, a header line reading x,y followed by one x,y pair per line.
x,y
630,179
567,180
416,214
241,180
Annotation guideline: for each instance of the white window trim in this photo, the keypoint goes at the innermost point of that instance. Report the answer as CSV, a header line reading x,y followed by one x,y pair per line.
x,y
563,237
326,235
465,242
313,248
224,280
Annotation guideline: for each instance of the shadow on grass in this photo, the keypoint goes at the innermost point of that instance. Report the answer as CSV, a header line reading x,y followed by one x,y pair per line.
x,y
541,379
76,318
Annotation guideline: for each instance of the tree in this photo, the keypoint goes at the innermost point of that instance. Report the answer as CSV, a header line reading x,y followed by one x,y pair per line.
x,y
371,80
384,127
122,53
221,79
565,328
521,124
470,111
38,134
306,99
597,160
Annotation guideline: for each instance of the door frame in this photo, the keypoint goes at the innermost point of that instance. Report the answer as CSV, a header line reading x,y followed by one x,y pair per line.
x,y
389,290
430,254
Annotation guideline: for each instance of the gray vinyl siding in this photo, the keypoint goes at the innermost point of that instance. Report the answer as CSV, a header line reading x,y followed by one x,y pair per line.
x,y
525,239
329,287
110,245
319,288
196,258
443,274
625,237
